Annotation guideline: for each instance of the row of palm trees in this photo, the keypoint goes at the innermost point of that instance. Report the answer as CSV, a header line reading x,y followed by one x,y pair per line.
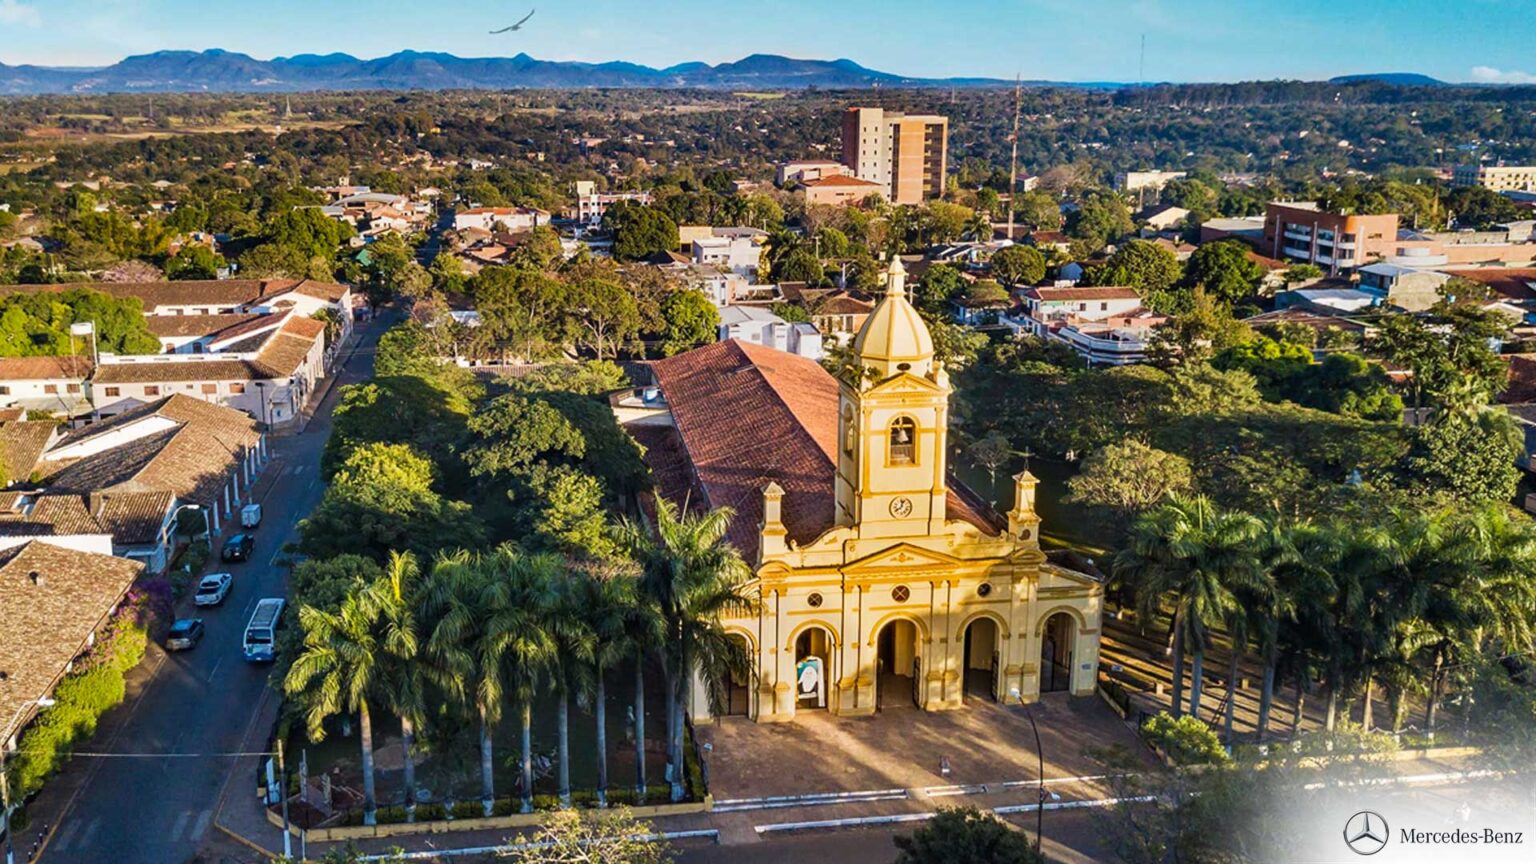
x,y
490,631
1396,601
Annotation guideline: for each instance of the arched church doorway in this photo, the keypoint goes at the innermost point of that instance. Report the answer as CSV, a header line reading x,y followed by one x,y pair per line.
x,y
738,690
813,669
898,666
982,647
1056,643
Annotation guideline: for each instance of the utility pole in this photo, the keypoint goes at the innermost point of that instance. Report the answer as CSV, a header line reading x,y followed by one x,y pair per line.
x,y
282,791
1141,68
1013,162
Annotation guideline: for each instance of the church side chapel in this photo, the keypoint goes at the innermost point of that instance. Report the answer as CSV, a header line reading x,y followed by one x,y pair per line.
x,y
881,581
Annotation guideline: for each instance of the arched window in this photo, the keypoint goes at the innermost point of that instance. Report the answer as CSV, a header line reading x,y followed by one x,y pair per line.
x,y
850,433
903,441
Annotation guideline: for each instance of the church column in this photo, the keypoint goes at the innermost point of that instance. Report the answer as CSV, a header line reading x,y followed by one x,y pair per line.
x,y
1018,638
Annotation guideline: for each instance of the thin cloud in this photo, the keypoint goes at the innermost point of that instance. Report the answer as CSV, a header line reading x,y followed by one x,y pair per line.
x,y
13,12
1490,75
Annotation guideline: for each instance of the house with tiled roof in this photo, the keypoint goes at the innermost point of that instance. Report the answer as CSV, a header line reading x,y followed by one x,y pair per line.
x,y
53,384
266,365
878,577
56,597
202,454
839,190
140,524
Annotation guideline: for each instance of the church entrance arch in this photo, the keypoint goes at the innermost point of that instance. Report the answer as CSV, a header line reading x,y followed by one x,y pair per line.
x,y
738,689
1056,642
982,647
898,665
813,669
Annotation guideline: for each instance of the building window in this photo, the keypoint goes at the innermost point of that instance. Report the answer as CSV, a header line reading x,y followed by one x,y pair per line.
x,y
903,442
901,593
850,435
113,391
984,589
51,389
72,388
210,388
151,389
237,387
813,600
5,390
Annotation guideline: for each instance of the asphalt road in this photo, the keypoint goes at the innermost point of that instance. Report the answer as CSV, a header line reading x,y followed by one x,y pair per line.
x,y
151,800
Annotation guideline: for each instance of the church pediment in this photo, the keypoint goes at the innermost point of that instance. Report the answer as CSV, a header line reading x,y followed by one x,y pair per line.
x,y
903,557
905,382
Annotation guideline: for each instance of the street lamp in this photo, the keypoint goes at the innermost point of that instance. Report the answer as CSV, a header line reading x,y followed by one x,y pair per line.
x,y
1040,784
5,776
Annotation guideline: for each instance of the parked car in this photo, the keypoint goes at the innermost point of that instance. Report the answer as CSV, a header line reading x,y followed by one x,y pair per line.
x,y
185,634
238,547
212,589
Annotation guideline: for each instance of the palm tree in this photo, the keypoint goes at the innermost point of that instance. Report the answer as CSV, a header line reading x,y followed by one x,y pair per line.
x,y
525,587
1298,561
338,670
489,641
695,577
1198,556
401,671
566,619
622,625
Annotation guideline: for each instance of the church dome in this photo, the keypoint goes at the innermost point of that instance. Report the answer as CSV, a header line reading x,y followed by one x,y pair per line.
x,y
895,338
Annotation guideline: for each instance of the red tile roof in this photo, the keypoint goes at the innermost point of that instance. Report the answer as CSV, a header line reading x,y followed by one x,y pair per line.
x,y
840,180
1510,282
1079,294
44,368
55,599
746,415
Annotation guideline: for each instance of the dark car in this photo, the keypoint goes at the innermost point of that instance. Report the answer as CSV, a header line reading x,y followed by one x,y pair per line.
x,y
185,634
238,547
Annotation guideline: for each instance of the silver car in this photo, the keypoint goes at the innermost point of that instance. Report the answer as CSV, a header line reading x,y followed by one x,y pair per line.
x,y
212,589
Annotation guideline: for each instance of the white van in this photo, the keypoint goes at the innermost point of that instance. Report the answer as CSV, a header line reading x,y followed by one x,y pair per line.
x,y
261,633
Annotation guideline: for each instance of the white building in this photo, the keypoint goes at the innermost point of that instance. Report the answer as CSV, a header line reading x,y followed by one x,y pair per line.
x,y
54,384
1107,326
738,254
759,326
269,373
508,218
1136,181
590,204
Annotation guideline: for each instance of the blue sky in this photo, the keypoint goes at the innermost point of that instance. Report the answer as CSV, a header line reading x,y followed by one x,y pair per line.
x,y
1078,40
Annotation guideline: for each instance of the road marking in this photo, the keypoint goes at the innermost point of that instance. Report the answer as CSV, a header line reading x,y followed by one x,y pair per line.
x,y
181,825
215,670
67,835
201,827
90,833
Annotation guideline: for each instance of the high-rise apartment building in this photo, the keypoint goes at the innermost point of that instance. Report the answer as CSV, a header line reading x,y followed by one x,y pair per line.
x,y
905,153
1499,178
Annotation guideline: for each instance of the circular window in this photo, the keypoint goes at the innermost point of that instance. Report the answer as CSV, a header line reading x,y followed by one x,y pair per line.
x,y
903,367
1024,534
984,589
813,601
900,593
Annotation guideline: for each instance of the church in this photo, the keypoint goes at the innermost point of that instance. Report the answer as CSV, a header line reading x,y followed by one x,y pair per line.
x,y
880,580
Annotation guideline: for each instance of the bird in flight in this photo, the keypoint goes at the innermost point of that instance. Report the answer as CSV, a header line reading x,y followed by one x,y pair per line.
x,y
517,26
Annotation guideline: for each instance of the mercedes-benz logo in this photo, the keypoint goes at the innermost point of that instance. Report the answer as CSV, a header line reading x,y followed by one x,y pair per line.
x,y
1366,833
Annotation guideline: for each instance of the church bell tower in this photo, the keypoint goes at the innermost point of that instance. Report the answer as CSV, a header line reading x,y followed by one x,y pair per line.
x,y
893,416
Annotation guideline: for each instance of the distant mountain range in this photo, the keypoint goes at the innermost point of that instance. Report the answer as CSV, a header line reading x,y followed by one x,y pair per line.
x,y
226,72
217,71
1402,79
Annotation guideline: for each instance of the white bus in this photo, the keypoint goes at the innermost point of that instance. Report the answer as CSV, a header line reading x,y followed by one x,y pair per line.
x,y
261,633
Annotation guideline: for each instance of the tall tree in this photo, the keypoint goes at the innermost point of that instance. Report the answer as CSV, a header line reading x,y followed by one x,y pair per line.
x,y
338,671
1195,557
694,576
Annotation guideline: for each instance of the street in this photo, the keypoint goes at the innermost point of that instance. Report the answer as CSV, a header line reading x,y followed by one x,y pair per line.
x,y
166,753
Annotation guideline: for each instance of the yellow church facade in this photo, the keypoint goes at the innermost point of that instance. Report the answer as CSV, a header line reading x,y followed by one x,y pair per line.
x,y
881,582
